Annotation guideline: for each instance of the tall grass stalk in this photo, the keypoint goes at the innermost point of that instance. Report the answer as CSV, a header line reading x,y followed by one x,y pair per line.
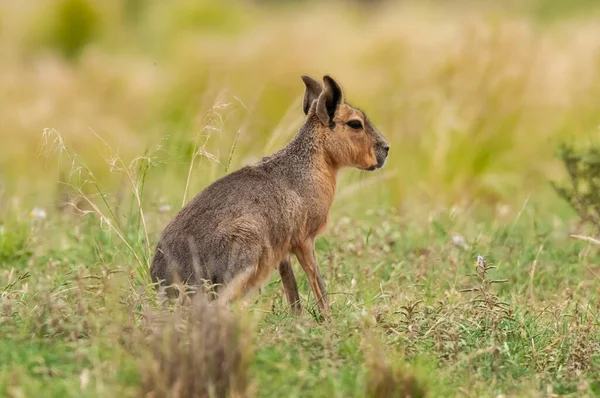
x,y
213,122
84,175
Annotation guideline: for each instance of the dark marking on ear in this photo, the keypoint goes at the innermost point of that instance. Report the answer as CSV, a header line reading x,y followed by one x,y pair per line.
x,y
329,100
311,93
336,94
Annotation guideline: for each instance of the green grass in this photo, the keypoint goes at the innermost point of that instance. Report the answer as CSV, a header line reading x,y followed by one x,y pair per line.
x,y
74,321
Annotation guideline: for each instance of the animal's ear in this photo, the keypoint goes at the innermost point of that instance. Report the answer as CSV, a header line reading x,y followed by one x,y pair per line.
x,y
312,92
329,99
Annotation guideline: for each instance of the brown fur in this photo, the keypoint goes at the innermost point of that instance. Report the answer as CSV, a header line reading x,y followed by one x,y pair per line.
x,y
241,227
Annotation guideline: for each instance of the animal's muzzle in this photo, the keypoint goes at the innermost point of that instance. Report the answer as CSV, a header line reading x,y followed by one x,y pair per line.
x,y
381,153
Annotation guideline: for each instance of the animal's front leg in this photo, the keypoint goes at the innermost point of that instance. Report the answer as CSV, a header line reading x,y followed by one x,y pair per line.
x,y
306,256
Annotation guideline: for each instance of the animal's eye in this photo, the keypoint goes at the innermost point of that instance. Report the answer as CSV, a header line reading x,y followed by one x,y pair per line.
x,y
355,124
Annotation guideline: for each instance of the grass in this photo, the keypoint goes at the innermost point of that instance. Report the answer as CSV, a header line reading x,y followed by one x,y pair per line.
x,y
408,304
111,126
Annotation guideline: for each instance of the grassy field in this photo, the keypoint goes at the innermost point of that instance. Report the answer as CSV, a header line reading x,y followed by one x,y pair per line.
x,y
116,113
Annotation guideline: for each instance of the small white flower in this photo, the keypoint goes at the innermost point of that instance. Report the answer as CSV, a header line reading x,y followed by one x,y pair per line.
x,y
458,240
353,282
84,379
37,214
344,220
503,210
164,209
480,263
364,312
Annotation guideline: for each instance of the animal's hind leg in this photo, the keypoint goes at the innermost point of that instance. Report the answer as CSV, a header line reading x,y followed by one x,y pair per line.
x,y
249,274
290,286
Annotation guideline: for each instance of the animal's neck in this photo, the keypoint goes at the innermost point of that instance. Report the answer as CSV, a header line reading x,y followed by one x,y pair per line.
x,y
308,149
306,164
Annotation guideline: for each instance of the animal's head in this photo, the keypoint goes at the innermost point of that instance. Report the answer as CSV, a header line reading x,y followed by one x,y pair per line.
x,y
349,137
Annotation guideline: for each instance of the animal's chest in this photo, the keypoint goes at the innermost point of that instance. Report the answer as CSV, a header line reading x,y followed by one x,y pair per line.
x,y
315,224
317,215
314,203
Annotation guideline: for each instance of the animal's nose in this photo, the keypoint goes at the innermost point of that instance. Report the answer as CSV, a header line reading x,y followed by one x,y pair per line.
x,y
386,148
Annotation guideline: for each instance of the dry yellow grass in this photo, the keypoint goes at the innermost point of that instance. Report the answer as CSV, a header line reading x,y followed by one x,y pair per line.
x,y
472,99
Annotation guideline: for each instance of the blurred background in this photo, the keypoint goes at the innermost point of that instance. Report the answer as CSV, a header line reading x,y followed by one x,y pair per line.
x,y
474,96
